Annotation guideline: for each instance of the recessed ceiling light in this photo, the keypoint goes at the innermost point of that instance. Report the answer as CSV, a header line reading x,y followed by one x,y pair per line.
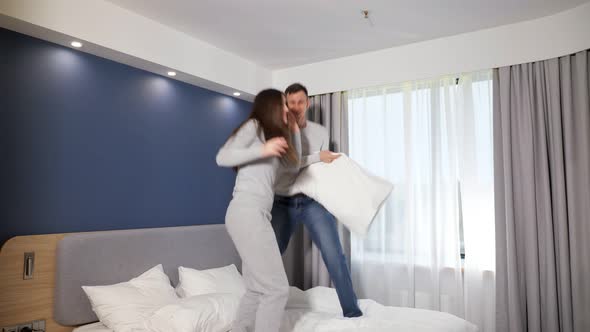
x,y
76,44
237,94
171,73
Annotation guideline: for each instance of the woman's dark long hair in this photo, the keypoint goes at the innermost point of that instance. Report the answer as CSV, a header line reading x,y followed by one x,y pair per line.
x,y
267,110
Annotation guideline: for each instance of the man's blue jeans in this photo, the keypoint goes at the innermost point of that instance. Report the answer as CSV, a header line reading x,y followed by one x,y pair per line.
x,y
287,213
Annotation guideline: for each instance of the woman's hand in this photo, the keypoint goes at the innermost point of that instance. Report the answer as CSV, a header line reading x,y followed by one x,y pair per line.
x,y
274,147
328,156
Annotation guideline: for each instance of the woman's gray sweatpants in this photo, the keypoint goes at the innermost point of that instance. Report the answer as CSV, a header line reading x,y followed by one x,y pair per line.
x,y
248,223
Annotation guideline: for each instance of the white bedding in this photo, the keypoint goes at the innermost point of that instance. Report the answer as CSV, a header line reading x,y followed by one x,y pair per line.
x,y
317,310
94,327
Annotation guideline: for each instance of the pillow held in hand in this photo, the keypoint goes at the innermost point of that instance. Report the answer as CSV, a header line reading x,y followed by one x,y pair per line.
x,y
346,190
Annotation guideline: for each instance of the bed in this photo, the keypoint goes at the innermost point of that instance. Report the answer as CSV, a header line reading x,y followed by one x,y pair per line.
x,y
104,258
408,319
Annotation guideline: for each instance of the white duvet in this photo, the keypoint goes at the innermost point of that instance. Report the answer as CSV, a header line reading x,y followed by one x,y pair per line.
x,y
318,310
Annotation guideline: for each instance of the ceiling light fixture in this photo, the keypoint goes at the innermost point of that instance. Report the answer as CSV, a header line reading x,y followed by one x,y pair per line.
x,y
237,94
365,14
172,73
76,44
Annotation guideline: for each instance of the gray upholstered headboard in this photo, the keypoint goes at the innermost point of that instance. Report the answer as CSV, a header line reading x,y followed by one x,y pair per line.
x,y
104,258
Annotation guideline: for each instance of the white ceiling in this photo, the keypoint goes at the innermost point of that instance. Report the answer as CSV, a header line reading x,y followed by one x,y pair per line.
x,y
281,33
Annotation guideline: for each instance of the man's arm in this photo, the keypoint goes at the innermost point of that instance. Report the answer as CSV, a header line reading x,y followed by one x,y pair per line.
x,y
324,155
310,159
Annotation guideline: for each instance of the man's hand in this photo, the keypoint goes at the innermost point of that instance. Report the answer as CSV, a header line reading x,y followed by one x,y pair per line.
x,y
328,156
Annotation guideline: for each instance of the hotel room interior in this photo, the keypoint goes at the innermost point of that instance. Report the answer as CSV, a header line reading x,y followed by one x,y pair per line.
x,y
476,112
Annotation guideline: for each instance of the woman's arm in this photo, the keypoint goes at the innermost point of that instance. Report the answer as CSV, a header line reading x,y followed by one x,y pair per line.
x,y
243,148
296,141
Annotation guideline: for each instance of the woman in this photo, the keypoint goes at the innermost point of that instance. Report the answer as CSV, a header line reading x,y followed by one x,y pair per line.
x,y
267,140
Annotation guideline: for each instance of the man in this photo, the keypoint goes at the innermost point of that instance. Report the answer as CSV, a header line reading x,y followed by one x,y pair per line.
x,y
288,212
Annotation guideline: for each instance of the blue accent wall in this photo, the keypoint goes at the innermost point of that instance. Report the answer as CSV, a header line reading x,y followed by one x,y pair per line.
x,y
89,144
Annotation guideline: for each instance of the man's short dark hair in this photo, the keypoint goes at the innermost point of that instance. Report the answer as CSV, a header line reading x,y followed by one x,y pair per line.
x,y
296,87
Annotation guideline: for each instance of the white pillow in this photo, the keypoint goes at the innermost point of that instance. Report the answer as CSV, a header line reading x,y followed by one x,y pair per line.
x,y
225,279
346,190
125,306
203,313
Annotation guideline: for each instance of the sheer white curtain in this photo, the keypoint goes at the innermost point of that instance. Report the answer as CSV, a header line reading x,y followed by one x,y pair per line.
x,y
433,140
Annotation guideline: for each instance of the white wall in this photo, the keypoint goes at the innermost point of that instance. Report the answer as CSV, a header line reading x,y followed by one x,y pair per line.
x,y
121,35
539,39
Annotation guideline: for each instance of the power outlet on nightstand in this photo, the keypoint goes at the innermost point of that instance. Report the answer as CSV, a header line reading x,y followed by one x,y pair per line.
x,y
35,326
39,325
27,327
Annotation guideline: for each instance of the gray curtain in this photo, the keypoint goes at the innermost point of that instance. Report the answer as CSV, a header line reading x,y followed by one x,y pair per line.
x,y
303,262
542,195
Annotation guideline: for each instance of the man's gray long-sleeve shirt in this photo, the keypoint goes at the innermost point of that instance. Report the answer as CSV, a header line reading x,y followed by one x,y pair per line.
x,y
314,138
